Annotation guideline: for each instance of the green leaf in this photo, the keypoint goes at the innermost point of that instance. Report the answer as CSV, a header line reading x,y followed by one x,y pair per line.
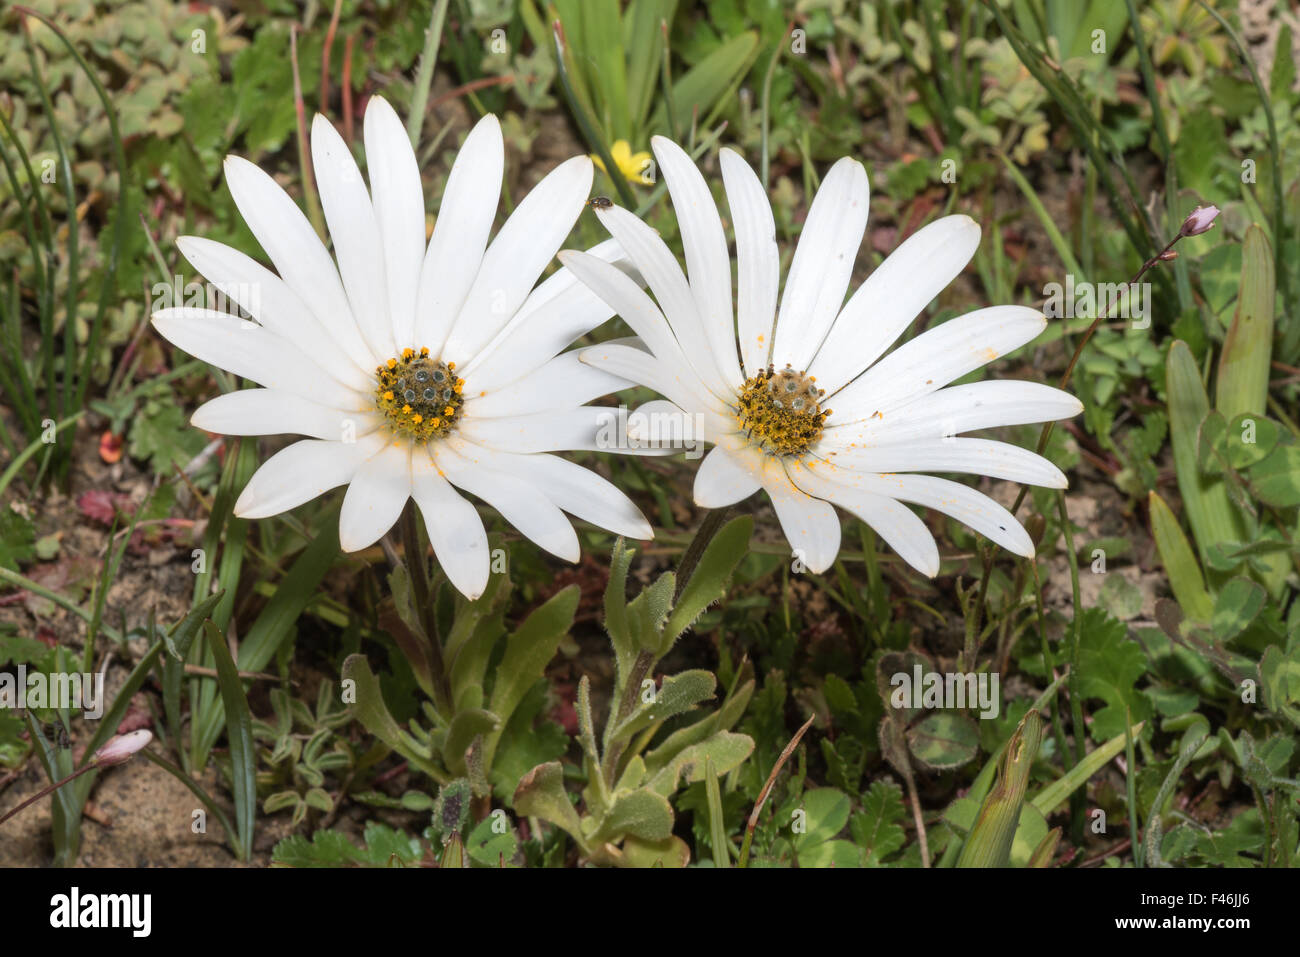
x,y
1244,362
1249,439
704,84
1237,605
178,642
275,623
1185,578
991,837
826,813
160,432
527,652
1055,794
670,853
1205,500
1110,665
384,847
709,579
717,818
1276,480
239,734
17,539
725,749
526,743
370,710
647,612
489,845
641,813
465,727
944,740
1279,674
616,623
541,794
679,694
878,828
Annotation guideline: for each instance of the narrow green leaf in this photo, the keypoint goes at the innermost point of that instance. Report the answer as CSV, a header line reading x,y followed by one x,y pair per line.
x,y
717,822
1205,501
239,733
1056,793
1244,363
1176,554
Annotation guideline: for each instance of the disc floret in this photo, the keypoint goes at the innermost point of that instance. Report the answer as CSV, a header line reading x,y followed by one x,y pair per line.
x,y
420,397
781,412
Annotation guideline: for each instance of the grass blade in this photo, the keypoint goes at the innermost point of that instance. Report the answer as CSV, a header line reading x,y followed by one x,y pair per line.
x,y
239,731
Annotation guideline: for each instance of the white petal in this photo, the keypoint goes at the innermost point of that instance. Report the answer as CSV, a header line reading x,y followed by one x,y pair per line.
x,y
375,497
896,524
355,234
661,424
893,296
658,266
810,524
971,456
636,308
935,358
460,233
399,208
560,383
519,502
303,471
558,311
957,409
456,532
513,262
268,299
271,412
580,492
673,382
707,261
726,476
822,265
248,350
758,261
973,509
595,428
298,254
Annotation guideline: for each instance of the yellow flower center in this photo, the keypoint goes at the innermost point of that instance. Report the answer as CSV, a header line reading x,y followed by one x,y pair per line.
x,y
780,411
420,397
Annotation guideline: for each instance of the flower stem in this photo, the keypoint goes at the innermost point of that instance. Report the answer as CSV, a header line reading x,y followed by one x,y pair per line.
x,y
90,766
418,571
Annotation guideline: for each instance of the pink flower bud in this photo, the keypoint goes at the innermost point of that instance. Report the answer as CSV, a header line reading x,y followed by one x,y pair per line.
x,y
1200,220
122,747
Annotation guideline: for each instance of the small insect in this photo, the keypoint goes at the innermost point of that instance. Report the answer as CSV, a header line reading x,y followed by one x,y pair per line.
x,y
600,202
58,733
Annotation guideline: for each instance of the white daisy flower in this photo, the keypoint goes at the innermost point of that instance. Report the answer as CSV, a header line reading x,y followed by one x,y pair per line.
x,y
415,371
798,401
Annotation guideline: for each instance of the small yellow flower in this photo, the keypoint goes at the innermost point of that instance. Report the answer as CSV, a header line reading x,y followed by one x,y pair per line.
x,y
635,167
